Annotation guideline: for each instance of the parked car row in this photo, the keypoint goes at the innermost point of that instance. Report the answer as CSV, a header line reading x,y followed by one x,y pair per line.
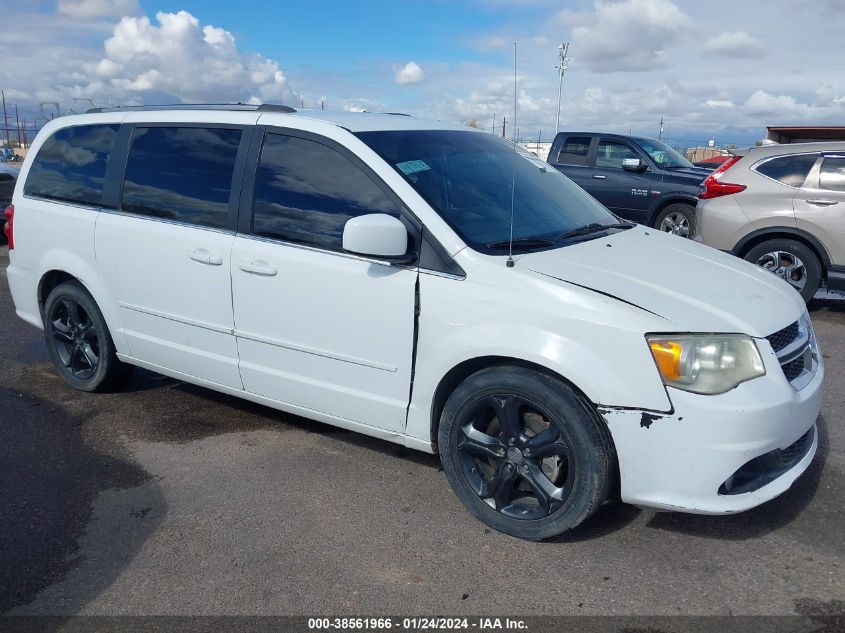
x,y
639,179
781,207
429,285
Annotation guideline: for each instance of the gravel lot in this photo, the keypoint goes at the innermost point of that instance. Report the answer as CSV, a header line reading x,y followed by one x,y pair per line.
x,y
170,499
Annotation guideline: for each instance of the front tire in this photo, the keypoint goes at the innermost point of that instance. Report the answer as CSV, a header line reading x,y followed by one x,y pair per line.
x,y
79,342
524,453
678,219
790,260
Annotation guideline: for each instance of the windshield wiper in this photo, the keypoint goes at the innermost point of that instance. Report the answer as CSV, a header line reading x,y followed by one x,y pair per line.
x,y
594,227
522,242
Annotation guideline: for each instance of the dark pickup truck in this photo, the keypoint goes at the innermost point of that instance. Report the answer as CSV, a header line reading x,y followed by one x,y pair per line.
x,y
639,179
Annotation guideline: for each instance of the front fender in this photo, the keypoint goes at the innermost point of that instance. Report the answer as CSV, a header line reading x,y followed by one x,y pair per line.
x,y
610,365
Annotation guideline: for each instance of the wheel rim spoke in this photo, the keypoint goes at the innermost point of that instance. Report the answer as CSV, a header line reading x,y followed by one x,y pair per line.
x,y
62,332
73,359
72,310
546,444
508,414
474,441
549,496
90,356
503,486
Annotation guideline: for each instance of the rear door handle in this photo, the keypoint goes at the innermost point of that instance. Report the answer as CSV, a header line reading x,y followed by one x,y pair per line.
x,y
202,256
257,267
820,202
599,177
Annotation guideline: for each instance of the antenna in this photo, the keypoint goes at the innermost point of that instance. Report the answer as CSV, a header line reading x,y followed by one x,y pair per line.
x,y
509,263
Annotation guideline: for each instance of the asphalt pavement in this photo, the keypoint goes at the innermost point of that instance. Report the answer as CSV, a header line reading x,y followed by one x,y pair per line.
x,y
165,498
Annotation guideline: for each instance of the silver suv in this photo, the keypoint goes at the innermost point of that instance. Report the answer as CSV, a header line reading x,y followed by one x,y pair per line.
x,y
781,207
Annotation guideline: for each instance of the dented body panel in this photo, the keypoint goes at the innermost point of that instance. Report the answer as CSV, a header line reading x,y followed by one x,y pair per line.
x,y
678,461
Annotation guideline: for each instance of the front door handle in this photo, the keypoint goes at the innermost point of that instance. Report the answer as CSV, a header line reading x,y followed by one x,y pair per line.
x,y
202,256
257,267
599,177
821,202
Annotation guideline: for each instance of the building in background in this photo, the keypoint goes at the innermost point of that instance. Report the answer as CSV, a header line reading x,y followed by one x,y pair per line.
x,y
804,134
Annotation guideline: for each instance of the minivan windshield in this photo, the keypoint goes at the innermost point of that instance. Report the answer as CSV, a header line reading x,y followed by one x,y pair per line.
x,y
662,154
473,179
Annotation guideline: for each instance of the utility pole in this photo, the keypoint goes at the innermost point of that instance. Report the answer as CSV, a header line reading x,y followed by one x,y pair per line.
x,y
504,126
494,123
563,64
18,125
5,117
660,133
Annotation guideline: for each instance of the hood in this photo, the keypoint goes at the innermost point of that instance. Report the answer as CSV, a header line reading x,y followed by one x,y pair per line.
x,y
693,287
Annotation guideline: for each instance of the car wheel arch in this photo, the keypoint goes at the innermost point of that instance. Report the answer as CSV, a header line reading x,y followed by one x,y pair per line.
x,y
466,368
783,232
662,203
57,272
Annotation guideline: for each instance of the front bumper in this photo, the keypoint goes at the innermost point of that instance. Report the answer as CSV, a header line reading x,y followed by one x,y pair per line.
x,y
679,461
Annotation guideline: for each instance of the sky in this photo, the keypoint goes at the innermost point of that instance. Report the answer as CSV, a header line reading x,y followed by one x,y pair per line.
x,y
720,69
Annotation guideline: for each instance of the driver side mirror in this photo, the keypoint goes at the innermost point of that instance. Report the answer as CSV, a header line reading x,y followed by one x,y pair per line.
x,y
634,164
377,235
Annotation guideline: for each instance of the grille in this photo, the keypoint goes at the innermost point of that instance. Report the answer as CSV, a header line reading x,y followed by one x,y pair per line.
x,y
793,369
784,337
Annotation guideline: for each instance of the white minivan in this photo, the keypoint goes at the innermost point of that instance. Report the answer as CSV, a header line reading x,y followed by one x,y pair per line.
x,y
423,283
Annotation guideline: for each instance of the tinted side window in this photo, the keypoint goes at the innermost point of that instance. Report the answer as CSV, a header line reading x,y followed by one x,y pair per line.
x,y
181,173
611,154
305,192
790,170
574,151
832,176
71,165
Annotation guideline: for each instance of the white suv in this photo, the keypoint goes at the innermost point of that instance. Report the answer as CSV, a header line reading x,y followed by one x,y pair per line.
x,y
355,269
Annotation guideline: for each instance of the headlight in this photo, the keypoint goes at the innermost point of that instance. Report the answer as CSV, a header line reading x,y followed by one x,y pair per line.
x,y
707,364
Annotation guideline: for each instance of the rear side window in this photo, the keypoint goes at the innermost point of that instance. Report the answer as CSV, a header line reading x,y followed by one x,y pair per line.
x,y
790,170
71,165
832,176
305,192
181,173
574,151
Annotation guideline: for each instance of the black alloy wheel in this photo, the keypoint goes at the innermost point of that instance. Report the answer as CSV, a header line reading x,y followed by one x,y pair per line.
x,y
514,459
524,452
78,341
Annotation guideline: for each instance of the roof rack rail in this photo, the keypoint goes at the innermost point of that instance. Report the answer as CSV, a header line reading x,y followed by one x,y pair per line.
x,y
396,113
249,107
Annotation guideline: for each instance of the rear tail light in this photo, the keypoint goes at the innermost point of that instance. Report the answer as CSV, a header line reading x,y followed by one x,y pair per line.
x,y
8,227
713,188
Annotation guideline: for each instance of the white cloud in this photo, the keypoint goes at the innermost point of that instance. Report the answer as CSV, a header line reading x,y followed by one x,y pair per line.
x,y
720,103
178,58
86,9
762,103
735,44
626,35
410,73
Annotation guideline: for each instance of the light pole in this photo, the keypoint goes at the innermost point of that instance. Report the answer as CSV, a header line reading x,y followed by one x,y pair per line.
x,y
563,64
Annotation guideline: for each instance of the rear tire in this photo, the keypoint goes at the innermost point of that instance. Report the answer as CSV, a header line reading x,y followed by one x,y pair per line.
x,y
79,342
524,453
792,261
678,219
